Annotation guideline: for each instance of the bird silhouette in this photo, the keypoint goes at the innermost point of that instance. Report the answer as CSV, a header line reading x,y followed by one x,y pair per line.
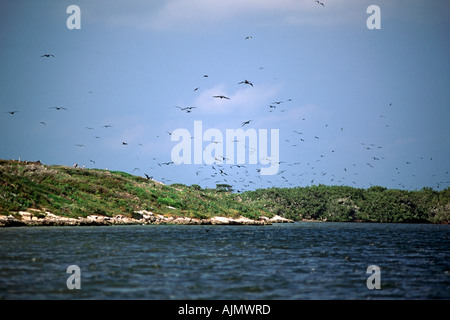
x,y
47,55
58,108
246,82
11,112
124,143
165,163
246,122
147,176
221,97
187,109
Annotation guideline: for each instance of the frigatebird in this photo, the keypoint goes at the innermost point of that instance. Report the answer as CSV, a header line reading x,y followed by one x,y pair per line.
x,y
165,163
246,82
187,109
246,122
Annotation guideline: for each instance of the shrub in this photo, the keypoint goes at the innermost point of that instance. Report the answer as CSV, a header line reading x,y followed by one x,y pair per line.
x,y
170,202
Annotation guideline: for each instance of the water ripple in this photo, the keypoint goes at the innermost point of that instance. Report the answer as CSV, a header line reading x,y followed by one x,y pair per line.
x,y
288,261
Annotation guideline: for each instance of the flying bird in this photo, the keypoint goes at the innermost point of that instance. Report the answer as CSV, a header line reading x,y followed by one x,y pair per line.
x,y
248,37
165,163
187,109
124,143
107,126
221,97
47,56
246,122
320,3
11,112
42,122
246,82
58,108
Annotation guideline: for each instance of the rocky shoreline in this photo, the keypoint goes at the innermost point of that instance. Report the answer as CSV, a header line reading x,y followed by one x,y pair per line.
x,y
44,218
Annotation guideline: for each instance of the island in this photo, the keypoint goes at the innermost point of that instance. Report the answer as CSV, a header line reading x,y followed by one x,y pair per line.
x,y
32,193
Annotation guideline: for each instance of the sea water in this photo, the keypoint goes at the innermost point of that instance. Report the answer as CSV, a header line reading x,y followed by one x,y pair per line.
x,y
302,260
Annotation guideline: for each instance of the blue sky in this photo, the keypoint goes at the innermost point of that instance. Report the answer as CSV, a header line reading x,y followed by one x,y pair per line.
x,y
359,107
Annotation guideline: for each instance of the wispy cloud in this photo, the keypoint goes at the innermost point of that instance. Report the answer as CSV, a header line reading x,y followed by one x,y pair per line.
x,y
184,15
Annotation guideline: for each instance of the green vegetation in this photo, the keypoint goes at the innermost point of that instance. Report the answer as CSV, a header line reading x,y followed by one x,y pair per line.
x,y
341,203
76,192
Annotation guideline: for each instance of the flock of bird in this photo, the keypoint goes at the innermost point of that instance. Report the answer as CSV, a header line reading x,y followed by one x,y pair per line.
x,y
247,176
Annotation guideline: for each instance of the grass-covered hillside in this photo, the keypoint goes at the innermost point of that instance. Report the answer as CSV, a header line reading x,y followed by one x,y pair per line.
x,y
77,192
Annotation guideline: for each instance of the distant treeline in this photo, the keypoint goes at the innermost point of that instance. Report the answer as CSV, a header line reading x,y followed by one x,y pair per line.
x,y
342,203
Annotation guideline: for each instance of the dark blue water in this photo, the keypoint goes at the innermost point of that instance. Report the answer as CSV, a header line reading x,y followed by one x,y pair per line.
x,y
304,260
